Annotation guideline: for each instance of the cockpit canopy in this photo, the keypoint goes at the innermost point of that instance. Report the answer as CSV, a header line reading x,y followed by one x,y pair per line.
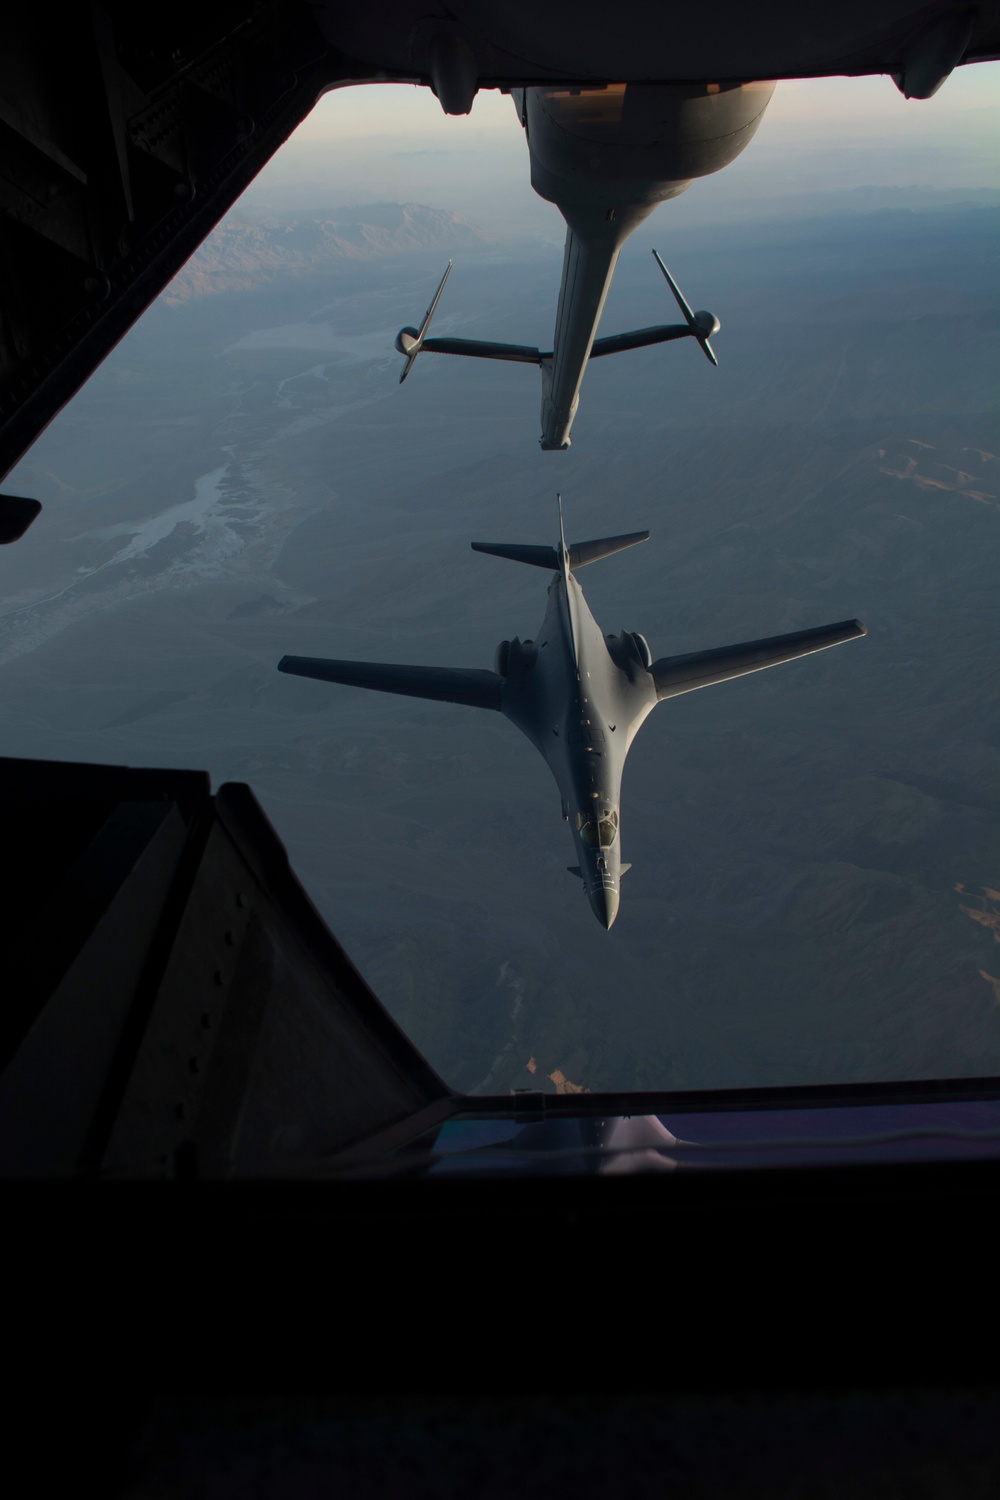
x,y
600,833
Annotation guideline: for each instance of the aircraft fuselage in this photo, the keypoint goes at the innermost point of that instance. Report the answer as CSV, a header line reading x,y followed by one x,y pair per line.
x,y
581,709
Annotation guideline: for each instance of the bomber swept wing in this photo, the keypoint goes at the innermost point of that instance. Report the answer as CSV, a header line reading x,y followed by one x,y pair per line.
x,y
443,684
682,674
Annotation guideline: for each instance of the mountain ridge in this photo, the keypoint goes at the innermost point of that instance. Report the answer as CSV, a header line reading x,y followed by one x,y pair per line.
x,y
242,256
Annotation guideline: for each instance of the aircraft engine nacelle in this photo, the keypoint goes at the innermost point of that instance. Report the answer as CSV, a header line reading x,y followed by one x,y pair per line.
x,y
642,646
520,657
501,659
630,650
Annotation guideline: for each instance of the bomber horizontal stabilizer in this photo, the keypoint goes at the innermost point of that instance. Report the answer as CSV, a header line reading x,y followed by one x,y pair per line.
x,y
476,689
682,674
580,553
538,557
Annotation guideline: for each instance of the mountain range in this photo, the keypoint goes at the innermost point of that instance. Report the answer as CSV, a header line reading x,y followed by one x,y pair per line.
x,y
245,255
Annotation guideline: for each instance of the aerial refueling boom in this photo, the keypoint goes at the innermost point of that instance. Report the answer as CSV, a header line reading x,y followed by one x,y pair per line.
x,y
606,157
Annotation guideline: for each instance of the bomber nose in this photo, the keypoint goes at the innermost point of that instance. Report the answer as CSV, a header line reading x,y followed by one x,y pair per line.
x,y
604,902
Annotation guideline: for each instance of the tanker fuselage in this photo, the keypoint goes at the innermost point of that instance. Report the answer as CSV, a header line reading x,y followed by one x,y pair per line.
x,y
606,158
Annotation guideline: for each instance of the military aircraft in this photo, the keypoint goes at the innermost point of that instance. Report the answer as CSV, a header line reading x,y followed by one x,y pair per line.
x,y
606,157
579,696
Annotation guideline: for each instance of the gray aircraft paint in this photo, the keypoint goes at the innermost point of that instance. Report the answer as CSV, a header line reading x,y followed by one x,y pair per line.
x,y
578,695
606,158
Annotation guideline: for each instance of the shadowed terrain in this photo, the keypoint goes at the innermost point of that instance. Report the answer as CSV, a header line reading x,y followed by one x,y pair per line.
x,y
814,849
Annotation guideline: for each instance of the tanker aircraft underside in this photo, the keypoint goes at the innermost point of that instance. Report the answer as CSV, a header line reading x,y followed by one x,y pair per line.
x,y
579,696
606,157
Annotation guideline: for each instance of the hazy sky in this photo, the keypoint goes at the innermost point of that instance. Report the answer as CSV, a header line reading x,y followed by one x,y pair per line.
x,y
392,142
